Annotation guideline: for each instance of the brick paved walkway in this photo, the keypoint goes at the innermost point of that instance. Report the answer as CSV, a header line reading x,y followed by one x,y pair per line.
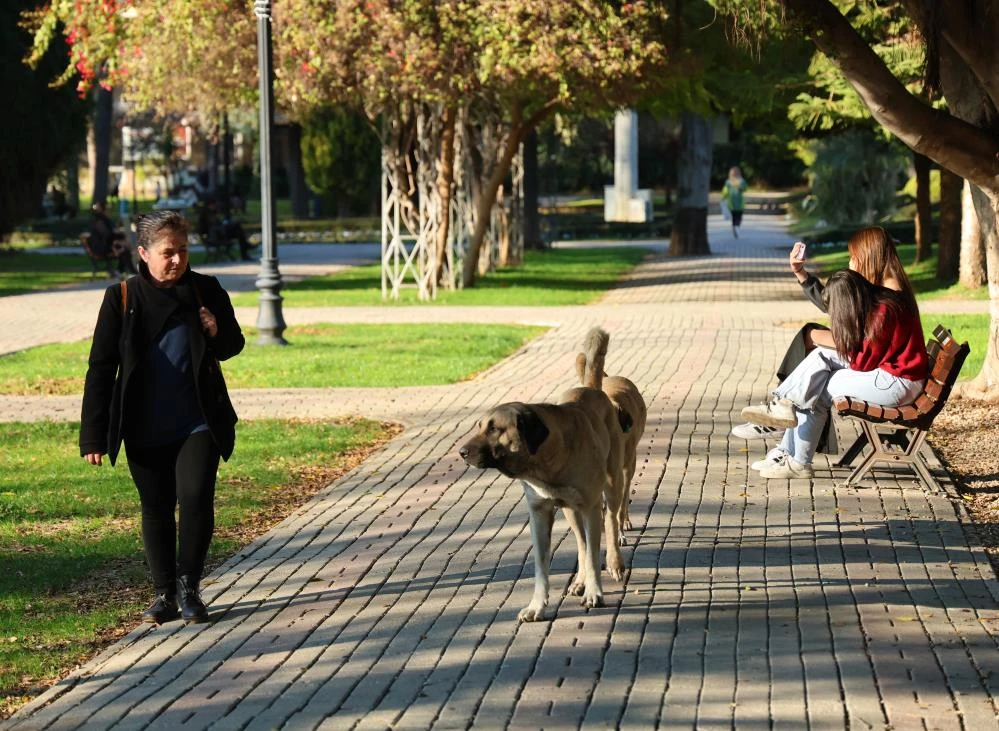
x,y
390,600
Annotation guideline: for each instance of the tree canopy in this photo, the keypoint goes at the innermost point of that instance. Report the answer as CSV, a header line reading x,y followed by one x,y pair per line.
x,y
43,126
961,61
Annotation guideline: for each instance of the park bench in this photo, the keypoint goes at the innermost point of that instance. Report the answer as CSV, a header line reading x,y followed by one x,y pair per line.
x,y
108,262
908,424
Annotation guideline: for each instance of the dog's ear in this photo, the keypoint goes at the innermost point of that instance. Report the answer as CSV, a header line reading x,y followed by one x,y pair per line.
x,y
532,430
624,419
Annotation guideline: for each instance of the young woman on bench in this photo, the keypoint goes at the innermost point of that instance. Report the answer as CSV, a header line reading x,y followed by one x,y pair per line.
x,y
879,355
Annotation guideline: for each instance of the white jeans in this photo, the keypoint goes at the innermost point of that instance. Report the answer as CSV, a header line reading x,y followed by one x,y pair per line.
x,y
822,377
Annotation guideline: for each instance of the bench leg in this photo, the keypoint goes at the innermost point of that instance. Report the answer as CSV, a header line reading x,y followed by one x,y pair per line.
x,y
905,452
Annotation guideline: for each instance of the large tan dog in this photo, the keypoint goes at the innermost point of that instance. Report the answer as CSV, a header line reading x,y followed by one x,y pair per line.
x,y
567,455
632,414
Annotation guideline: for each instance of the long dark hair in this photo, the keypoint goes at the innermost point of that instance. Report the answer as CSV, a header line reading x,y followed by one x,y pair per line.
x,y
850,299
149,226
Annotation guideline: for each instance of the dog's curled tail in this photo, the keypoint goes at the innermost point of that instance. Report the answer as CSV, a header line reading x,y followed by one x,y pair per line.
x,y
590,363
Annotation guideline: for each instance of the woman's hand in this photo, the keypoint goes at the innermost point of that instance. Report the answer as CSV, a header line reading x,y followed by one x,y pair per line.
x,y
208,322
798,264
93,458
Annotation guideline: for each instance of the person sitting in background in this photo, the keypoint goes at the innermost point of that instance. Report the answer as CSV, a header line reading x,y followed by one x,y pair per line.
x,y
878,355
221,230
106,242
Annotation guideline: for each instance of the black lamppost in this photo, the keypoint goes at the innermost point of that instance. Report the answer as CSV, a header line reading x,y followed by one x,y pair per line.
x,y
270,321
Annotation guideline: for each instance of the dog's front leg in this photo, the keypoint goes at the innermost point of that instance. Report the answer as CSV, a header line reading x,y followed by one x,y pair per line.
x,y
542,514
593,595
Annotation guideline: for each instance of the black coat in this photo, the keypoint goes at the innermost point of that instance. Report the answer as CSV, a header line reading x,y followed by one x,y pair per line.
x,y
109,395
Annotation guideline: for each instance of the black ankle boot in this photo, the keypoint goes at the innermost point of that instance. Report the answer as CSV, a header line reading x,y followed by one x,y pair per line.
x,y
164,609
192,609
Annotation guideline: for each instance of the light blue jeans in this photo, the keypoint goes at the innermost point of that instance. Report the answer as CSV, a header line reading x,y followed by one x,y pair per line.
x,y
821,378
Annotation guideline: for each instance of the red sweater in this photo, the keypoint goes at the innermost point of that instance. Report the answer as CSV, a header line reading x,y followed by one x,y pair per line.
x,y
901,349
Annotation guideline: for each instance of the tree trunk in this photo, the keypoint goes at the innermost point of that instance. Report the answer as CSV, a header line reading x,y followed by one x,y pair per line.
x,y
226,165
924,217
986,384
485,206
298,188
949,246
690,220
532,218
212,156
972,268
102,145
445,181
73,182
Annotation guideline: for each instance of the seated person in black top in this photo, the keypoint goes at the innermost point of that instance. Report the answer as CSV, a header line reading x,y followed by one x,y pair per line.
x,y
106,242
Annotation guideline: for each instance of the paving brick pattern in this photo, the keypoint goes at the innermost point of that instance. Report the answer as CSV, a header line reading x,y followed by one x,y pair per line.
x,y
390,600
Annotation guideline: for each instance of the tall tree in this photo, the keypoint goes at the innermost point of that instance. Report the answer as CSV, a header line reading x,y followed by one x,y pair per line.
x,y
972,268
963,58
949,240
43,126
709,77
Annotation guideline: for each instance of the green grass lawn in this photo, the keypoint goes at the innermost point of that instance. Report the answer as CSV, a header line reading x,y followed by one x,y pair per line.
x,y
552,277
971,328
319,356
73,573
26,271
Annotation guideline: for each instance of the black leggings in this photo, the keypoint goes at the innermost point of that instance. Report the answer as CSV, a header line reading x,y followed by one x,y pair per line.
x,y
182,472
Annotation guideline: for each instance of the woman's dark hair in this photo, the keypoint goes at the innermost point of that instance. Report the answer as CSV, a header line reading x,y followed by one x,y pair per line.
x,y
149,226
850,299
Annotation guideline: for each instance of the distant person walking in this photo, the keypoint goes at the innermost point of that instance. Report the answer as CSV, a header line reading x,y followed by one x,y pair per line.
x,y
732,192
154,382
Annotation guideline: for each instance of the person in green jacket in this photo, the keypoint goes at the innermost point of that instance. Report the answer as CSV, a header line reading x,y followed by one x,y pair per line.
x,y
732,192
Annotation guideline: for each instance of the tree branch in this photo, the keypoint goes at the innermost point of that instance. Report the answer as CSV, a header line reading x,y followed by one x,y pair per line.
x,y
956,145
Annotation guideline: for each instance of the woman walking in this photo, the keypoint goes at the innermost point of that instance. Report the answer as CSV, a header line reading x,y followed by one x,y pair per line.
x,y
731,193
154,382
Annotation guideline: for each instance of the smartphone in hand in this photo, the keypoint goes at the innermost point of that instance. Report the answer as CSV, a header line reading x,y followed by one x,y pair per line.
x,y
800,253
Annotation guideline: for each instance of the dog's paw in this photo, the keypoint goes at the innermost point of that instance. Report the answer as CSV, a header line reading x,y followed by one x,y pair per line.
x,y
625,525
616,569
592,599
622,541
531,613
577,588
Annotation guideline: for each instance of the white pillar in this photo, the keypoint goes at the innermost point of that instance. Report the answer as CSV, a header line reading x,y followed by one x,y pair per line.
x,y
623,201
626,153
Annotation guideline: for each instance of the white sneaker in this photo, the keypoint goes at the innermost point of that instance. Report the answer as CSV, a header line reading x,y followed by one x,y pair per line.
x,y
749,430
787,469
777,412
774,456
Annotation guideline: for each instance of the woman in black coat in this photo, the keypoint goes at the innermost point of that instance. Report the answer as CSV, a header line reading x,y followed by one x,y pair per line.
x,y
154,382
